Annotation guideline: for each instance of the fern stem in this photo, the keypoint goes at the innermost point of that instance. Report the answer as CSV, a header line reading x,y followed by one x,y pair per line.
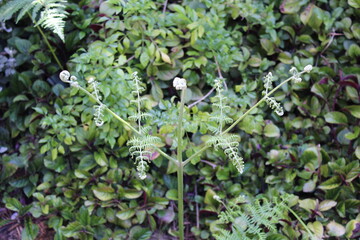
x,y
139,111
240,118
180,172
124,122
302,223
47,42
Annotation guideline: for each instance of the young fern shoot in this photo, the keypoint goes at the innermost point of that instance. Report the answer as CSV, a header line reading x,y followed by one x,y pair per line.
x,y
141,145
227,142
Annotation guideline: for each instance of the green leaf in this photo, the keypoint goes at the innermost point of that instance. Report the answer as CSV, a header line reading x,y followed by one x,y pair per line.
x,y
84,216
268,45
285,57
317,228
326,205
354,51
357,152
351,228
72,229
354,3
144,59
331,183
139,233
30,231
276,236
172,194
254,61
354,110
100,158
22,45
209,197
335,229
312,16
13,204
125,214
271,130
336,118
104,193
291,6
20,97
166,72
308,204
132,193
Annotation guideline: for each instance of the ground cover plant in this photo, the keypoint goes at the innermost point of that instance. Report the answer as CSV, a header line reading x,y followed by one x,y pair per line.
x,y
62,175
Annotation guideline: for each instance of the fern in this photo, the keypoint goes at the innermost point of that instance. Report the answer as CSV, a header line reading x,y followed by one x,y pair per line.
x,y
252,221
229,144
141,148
273,104
49,14
219,115
142,145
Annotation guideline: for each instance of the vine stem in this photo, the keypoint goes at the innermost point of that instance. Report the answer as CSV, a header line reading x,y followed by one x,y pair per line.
x,y
302,223
240,118
180,168
128,125
47,42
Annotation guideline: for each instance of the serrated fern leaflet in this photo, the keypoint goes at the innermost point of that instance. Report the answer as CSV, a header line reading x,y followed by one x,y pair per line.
x,y
49,14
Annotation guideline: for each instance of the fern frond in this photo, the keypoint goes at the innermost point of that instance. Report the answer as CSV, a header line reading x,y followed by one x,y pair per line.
x,y
141,148
252,219
140,116
220,114
51,16
229,144
12,7
273,104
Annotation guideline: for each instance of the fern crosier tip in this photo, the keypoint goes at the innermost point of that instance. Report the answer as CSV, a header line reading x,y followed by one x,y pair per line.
x,y
66,77
179,83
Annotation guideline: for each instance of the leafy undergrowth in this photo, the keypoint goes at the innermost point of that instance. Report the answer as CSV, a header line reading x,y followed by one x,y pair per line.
x,y
58,170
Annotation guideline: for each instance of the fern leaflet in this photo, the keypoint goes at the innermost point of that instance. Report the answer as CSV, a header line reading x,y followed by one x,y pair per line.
x,y
229,144
51,16
273,104
252,221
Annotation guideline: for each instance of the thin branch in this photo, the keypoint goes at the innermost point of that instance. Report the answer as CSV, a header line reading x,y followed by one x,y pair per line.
x,y
128,60
165,6
201,99
219,72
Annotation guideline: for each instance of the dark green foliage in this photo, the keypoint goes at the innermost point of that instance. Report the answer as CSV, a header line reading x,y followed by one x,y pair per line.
x,y
57,161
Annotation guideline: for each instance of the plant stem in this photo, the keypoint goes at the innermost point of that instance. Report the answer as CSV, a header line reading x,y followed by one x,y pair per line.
x,y
180,172
302,223
240,118
47,42
125,123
